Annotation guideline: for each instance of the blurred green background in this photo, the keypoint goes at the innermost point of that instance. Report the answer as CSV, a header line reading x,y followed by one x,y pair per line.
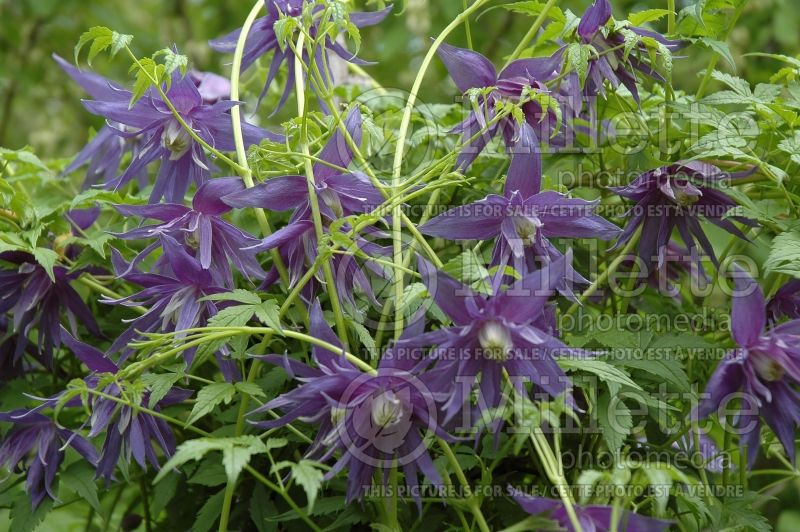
x,y
39,105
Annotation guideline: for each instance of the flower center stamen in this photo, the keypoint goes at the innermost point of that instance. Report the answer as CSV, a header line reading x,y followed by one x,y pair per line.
x,y
495,341
176,139
767,367
387,409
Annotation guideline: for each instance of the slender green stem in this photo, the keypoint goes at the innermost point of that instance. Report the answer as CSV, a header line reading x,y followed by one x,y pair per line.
x,y
225,515
531,32
302,99
715,56
90,282
397,166
243,168
467,27
671,17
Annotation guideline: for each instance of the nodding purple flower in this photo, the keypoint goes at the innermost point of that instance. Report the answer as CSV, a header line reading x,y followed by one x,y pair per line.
x,y
201,228
590,517
762,372
263,40
712,459
677,196
173,299
785,302
612,63
128,431
36,302
508,331
524,219
35,445
183,159
341,192
372,420
471,70
107,149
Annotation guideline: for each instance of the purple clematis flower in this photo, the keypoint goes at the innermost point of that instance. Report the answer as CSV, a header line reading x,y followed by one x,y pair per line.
x,y
201,228
373,420
762,372
676,196
785,302
508,331
172,298
341,192
183,159
612,63
591,518
35,445
262,40
36,302
107,149
523,219
129,432
471,70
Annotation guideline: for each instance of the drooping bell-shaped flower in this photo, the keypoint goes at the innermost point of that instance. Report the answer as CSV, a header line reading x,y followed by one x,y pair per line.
x,y
262,40
785,302
35,445
201,229
762,373
524,219
374,421
37,302
678,196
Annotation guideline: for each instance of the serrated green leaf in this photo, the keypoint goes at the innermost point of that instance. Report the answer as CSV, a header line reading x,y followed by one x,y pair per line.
x,y
615,421
79,478
209,513
268,313
46,258
578,60
251,389
648,15
159,385
239,295
209,397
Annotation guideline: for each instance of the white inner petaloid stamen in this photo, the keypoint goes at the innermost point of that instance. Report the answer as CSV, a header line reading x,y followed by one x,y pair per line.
x,y
176,139
387,409
495,341
767,367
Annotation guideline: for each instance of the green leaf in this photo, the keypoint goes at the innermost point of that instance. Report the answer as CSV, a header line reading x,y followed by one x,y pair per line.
x,y
101,38
605,371
236,316
305,473
172,61
284,29
721,48
163,493
239,295
251,389
46,258
209,397
784,256
209,513
578,60
268,313
648,15
791,147
147,74
24,518
159,385
236,453
79,478
615,421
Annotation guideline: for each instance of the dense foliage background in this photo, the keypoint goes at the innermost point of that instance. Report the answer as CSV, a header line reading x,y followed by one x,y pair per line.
x,y
40,109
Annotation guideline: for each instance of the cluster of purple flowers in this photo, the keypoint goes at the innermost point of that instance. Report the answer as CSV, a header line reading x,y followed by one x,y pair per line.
x,y
369,422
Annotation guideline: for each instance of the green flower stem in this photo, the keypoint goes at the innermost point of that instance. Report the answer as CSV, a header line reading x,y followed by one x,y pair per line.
x,y
671,17
243,168
531,32
601,280
554,470
397,166
715,56
302,100
90,282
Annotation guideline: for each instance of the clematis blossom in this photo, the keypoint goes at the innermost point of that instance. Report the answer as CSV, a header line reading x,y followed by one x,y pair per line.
x,y
201,228
35,445
508,331
762,372
523,219
678,196
262,40
372,420
37,301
